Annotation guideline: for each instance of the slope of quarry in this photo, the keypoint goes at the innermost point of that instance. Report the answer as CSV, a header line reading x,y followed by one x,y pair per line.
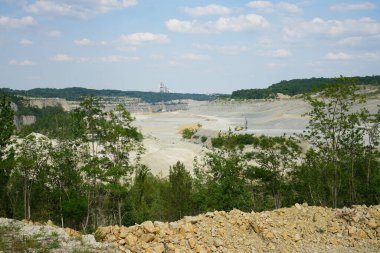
x,y
297,229
165,146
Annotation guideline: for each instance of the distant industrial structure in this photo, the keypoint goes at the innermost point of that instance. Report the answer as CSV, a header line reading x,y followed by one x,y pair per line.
x,y
163,88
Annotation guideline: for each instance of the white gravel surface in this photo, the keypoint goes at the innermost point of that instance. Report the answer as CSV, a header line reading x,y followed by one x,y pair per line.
x,y
165,146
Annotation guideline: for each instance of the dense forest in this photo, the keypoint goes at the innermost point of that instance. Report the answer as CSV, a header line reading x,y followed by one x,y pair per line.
x,y
74,183
75,93
297,86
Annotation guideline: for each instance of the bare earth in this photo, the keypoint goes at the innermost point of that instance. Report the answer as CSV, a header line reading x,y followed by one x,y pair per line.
x,y
165,146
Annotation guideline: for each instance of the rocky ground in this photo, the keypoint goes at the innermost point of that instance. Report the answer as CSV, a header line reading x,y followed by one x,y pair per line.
x,y
297,229
300,228
26,236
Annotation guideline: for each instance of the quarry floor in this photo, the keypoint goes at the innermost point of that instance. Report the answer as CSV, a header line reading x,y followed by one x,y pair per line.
x,y
162,131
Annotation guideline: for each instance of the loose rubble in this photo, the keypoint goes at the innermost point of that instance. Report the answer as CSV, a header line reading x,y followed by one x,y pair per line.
x,y
28,236
300,228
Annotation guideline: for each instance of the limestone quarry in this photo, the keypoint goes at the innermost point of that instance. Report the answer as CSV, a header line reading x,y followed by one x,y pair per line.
x,y
300,228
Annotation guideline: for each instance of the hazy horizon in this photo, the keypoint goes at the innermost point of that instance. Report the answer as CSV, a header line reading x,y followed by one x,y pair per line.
x,y
192,46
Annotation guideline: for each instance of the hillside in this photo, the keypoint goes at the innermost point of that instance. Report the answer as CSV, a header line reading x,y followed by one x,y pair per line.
x,y
74,94
297,86
300,228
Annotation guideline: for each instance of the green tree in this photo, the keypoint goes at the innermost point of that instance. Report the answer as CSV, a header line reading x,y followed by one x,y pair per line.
x,y
146,197
111,150
179,196
90,118
121,142
7,126
220,181
65,184
336,135
273,159
32,156
7,129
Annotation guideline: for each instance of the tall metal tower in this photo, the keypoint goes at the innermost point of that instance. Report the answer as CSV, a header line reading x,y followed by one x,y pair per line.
x,y
163,88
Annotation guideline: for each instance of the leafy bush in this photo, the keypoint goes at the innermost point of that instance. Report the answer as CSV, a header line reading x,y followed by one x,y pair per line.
x,y
187,133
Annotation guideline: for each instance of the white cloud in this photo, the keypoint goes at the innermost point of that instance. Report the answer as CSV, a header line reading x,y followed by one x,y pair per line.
x,y
62,58
224,49
333,27
114,58
102,59
21,63
83,42
176,25
273,65
223,24
194,57
340,56
260,4
288,7
138,38
8,22
267,6
55,33
280,53
343,7
25,42
80,9
350,41
212,9
127,49
370,56
240,23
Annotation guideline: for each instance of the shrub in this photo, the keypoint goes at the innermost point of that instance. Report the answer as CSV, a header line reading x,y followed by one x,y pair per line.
x,y
187,133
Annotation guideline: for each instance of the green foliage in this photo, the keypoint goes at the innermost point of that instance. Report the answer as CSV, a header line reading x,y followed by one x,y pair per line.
x,y
75,94
274,158
91,174
53,122
253,94
297,86
7,126
220,182
187,133
204,139
146,197
179,195
7,129
230,140
339,151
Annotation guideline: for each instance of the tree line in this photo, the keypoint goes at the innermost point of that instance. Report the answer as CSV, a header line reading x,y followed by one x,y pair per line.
x,y
75,94
297,86
91,173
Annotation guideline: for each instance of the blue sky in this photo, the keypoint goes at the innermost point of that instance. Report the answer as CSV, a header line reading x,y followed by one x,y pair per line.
x,y
191,46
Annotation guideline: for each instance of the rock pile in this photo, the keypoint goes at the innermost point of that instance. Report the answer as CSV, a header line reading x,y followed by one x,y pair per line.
x,y
28,236
297,229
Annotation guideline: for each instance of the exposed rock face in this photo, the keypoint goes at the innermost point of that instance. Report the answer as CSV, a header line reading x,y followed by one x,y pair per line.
x,y
26,236
297,229
45,102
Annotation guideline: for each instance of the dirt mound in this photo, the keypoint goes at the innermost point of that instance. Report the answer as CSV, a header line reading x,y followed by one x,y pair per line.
x,y
187,126
297,229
